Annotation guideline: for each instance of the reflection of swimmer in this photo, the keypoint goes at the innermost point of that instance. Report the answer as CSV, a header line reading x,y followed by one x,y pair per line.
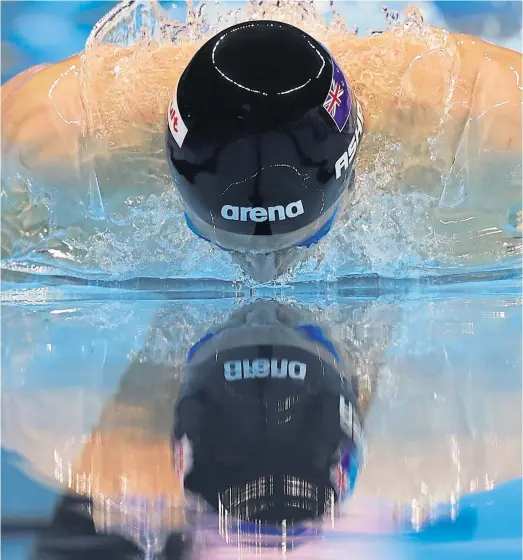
x,y
309,396
439,426
268,427
263,132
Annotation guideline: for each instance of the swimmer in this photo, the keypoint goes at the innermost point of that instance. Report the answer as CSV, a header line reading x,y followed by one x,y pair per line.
x,y
264,130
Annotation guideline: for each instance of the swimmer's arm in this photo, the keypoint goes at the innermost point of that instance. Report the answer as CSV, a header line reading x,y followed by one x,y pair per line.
x,y
123,93
42,113
41,126
496,100
43,116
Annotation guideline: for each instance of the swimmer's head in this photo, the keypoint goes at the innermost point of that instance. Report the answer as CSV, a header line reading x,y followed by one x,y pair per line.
x,y
262,135
267,422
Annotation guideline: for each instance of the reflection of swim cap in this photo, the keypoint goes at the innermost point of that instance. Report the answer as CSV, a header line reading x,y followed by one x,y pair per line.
x,y
270,423
262,134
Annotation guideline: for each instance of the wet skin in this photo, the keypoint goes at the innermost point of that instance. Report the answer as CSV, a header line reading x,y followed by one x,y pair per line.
x,y
67,114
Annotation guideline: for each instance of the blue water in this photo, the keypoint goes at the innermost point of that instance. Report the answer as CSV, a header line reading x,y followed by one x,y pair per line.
x,y
451,372
448,398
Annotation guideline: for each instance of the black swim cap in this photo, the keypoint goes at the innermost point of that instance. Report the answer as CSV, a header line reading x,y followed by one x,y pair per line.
x,y
268,418
261,138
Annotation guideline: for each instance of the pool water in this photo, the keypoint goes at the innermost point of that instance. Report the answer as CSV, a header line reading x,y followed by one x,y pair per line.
x,y
443,466
92,358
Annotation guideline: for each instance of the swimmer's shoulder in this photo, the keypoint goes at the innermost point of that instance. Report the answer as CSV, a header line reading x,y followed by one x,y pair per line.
x,y
493,76
475,51
35,85
125,90
42,110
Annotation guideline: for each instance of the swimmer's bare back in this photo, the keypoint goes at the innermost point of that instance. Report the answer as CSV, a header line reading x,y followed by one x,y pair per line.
x,y
412,89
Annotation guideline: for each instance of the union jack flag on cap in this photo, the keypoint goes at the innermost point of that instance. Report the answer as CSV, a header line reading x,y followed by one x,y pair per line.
x,y
338,102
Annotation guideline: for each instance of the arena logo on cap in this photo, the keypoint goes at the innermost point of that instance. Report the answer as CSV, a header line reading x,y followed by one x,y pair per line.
x,y
273,213
234,370
338,103
176,124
